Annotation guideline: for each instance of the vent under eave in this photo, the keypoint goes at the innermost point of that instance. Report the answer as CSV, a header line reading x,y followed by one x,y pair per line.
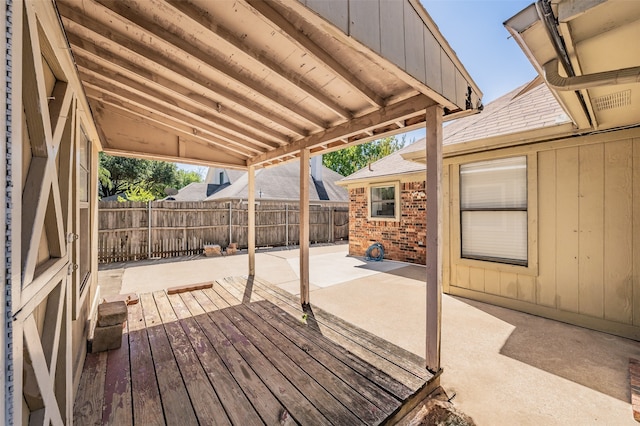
x,y
612,100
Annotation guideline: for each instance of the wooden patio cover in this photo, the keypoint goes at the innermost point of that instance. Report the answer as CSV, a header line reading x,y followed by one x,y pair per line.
x,y
252,83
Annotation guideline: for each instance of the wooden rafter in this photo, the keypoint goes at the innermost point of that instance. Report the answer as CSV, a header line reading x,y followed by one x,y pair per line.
x,y
308,45
170,75
247,139
174,91
378,118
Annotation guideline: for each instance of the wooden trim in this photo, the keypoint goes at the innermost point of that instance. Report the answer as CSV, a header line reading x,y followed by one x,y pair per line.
x,y
618,329
416,176
376,119
434,237
304,226
398,201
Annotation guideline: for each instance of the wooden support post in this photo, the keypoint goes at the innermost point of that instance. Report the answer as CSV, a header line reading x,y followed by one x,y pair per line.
x,y
434,235
251,222
304,226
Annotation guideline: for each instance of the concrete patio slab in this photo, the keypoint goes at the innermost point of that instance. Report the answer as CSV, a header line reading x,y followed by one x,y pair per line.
x,y
334,268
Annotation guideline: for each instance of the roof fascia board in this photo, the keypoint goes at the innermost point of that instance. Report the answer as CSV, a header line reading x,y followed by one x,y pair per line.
x,y
414,176
571,9
498,142
517,26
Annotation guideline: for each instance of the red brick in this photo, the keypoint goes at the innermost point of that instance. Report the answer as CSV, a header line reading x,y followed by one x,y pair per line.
x,y
400,239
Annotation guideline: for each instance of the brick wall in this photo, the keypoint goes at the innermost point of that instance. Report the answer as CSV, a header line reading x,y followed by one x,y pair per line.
x,y
404,240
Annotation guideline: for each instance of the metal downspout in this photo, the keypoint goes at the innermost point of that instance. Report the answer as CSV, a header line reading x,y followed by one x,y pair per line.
x,y
545,13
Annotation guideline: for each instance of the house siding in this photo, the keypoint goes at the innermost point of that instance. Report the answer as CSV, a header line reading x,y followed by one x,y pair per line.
x,y
584,207
403,240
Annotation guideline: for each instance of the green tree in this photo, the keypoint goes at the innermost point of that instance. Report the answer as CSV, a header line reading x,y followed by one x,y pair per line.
x,y
351,159
140,179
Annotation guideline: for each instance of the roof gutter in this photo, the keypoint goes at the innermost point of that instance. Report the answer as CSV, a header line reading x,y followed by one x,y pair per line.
x,y
606,78
545,13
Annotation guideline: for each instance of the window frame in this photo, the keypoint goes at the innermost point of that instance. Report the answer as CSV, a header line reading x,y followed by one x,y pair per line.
x,y
455,235
396,189
505,260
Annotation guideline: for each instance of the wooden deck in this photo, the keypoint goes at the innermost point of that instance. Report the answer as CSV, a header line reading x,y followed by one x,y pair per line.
x,y
242,353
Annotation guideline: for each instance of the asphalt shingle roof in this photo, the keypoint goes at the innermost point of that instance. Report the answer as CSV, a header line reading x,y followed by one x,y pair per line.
x,y
529,107
280,182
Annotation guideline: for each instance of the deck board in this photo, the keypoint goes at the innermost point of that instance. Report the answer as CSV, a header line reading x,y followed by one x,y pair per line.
x,y
147,406
236,404
118,407
175,399
241,353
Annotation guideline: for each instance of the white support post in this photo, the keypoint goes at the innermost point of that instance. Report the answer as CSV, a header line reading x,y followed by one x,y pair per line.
x,y
434,235
251,222
304,226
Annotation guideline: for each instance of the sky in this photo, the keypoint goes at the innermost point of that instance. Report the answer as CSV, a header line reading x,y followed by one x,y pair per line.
x,y
475,32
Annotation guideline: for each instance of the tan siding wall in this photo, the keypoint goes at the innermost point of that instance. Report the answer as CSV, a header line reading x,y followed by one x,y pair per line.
x,y
587,266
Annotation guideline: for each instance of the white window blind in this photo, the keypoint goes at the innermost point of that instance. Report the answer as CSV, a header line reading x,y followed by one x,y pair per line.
x,y
493,204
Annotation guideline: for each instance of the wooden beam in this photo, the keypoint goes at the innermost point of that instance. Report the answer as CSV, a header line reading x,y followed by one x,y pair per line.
x,y
378,118
224,37
306,44
304,226
251,220
434,236
171,75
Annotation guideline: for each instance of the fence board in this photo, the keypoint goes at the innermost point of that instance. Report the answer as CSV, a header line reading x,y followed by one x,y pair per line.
x,y
184,228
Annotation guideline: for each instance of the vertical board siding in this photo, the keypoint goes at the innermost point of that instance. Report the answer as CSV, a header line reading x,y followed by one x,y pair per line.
x,y
414,50
591,235
476,279
184,228
588,231
618,232
364,17
546,279
567,206
635,227
391,24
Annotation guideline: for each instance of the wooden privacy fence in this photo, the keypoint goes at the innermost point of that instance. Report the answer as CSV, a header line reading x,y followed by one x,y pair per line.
x,y
159,229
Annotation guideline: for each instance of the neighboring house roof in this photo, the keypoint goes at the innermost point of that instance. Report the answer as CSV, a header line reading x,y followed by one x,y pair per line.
x,y
280,182
392,164
530,107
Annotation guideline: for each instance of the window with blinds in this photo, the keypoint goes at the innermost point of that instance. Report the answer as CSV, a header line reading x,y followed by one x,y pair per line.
x,y
493,210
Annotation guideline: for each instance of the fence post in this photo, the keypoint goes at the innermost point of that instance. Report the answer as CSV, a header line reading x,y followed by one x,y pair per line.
x,y
149,230
332,237
230,222
286,224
